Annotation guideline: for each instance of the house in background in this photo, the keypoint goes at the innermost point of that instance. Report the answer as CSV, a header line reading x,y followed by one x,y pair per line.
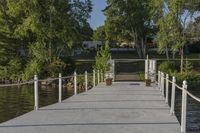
x,y
92,45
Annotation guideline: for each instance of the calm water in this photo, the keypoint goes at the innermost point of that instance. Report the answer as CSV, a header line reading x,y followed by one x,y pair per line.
x,y
193,111
16,101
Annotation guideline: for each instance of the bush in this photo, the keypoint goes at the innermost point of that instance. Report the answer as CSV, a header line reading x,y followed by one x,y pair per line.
x,y
32,67
102,58
15,69
142,76
56,67
166,67
192,80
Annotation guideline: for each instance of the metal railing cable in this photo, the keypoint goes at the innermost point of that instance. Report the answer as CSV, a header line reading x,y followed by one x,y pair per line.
x,y
192,96
164,86
67,77
177,86
96,77
181,88
46,80
32,81
17,84
170,81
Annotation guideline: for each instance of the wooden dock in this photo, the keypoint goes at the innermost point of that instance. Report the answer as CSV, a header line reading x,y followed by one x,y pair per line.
x,y
124,107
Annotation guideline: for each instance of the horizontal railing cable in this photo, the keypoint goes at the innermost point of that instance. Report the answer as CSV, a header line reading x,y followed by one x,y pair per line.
x,y
46,80
177,86
32,81
181,88
17,84
170,81
192,96
67,77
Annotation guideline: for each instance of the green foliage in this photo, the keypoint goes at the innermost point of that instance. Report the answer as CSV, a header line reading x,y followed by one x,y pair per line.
x,y
166,67
188,73
40,32
100,34
129,21
192,79
102,58
188,68
12,70
81,80
32,67
142,76
58,66
173,22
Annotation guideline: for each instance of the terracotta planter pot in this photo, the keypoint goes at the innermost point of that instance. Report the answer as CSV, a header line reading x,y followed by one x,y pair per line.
x,y
148,82
109,81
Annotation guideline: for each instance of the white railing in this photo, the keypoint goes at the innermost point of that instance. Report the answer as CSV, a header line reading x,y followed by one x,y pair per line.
x,y
163,85
100,78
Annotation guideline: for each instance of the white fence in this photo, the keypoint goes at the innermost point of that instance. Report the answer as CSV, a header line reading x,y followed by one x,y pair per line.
x,y
98,76
163,85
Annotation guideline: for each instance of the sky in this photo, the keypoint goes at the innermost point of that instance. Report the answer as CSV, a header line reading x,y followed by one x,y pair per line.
x,y
97,16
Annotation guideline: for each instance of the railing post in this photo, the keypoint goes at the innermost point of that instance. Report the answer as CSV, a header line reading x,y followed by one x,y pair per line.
x,y
98,77
113,70
75,83
173,96
163,84
94,78
167,89
86,81
146,68
159,80
101,75
184,107
60,88
36,92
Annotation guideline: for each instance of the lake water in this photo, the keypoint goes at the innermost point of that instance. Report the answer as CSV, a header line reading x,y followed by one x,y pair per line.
x,y
193,111
15,101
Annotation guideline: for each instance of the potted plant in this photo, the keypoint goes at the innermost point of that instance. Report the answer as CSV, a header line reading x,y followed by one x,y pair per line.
x,y
109,79
148,82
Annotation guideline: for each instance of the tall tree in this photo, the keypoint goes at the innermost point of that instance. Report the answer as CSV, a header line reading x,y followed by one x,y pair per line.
x,y
129,21
100,34
41,28
176,14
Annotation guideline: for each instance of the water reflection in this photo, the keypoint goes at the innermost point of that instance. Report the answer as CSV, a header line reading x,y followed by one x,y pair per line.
x,y
15,101
193,111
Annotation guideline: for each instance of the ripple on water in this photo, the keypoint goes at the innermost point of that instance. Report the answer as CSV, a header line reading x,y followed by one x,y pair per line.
x,y
16,101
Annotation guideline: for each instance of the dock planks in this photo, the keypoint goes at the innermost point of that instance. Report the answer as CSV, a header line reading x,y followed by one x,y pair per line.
x,y
124,107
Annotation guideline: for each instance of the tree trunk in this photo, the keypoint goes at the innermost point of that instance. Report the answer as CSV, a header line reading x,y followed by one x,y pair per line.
x,y
174,55
182,58
167,53
143,43
50,41
138,49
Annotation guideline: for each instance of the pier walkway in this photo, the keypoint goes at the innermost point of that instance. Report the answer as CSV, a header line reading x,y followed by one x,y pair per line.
x,y
124,107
